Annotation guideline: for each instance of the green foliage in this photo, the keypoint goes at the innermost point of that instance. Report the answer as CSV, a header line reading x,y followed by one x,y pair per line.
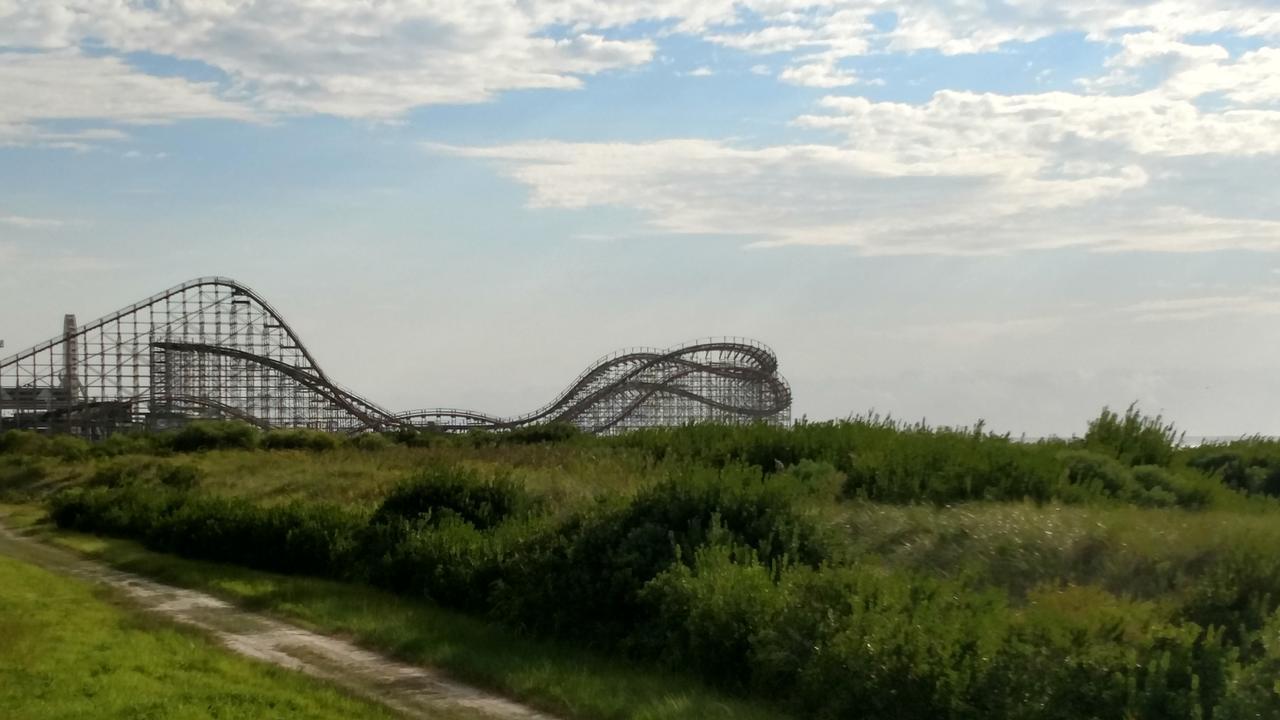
x,y
316,539
22,442
886,461
1253,690
298,439
133,469
1093,475
1251,465
861,642
372,441
587,574
833,567
31,444
943,466
545,433
1133,438
130,444
442,491
21,475
213,435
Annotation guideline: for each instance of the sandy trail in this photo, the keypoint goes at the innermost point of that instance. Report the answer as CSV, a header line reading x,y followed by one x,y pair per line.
x,y
409,689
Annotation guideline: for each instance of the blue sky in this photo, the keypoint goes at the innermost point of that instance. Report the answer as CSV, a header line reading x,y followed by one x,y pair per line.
x,y
1016,211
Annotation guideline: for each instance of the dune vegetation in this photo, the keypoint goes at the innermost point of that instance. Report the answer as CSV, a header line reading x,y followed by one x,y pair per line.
x,y
861,568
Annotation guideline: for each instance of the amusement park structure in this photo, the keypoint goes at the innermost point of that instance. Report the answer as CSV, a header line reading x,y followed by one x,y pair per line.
x,y
213,348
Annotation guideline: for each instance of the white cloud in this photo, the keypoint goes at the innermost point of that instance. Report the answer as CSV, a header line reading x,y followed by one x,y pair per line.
x,y
822,73
378,60
68,85
963,173
703,71
816,195
1187,71
355,60
964,130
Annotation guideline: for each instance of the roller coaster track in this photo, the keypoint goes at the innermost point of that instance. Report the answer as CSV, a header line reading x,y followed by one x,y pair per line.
x,y
727,378
212,347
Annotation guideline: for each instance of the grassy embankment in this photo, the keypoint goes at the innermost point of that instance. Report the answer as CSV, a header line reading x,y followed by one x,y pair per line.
x,y
67,651
864,567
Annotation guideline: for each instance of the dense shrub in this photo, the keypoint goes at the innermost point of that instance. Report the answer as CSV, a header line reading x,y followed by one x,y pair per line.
x,y
20,476
213,435
316,539
863,642
305,538
21,442
943,466
886,461
543,433
130,444
132,511
1092,475
443,491
1251,465
1133,438
587,575
1252,691
32,444
298,439
371,441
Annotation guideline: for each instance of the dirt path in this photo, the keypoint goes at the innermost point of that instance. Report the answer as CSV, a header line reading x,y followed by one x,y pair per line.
x,y
412,690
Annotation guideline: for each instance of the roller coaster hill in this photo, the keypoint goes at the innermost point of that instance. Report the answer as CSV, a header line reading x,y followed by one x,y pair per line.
x,y
212,348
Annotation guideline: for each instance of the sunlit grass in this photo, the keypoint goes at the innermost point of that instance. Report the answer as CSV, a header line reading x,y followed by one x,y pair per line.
x,y
66,652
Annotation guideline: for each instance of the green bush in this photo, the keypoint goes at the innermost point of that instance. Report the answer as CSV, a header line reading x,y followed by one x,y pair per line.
x,y
20,476
131,511
298,439
1251,465
442,491
129,444
1133,438
213,435
942,466
26,442
371,441
1253,689
22,442
711,614
544,433
586,575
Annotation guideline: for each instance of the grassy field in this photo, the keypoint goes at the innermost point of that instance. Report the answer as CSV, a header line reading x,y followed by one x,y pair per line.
x,y
865,568
66,651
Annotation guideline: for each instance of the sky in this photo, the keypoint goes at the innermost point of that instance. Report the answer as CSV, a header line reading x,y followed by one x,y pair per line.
x,y
1017,211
